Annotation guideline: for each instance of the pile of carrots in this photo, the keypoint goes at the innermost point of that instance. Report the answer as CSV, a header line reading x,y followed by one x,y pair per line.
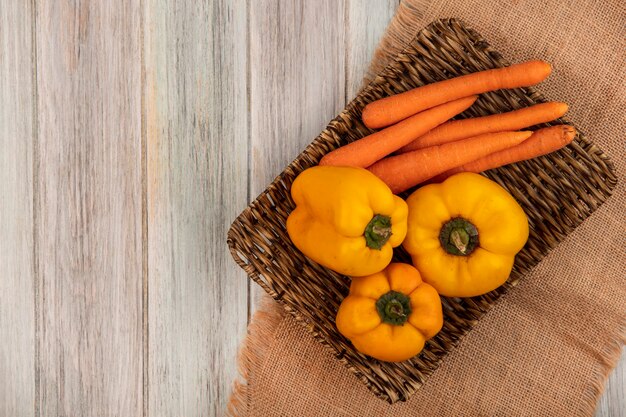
x,y
418,143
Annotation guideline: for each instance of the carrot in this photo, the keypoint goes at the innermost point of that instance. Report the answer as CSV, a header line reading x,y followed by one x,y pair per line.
x,y
403,171
364,152
390,110
513,120
542,142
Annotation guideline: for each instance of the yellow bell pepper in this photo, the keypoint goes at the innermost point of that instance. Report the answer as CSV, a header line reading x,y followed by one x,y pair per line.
x,y
464,233
346,219
389,315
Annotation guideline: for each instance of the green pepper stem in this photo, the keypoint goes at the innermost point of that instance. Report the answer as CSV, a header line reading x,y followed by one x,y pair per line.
x,y
378,231
459,237
394,308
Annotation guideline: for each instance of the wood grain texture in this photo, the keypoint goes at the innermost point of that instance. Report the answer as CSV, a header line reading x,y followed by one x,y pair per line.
x,y
233,91
17,302
613,400
297,82
366,21
88,208
197,148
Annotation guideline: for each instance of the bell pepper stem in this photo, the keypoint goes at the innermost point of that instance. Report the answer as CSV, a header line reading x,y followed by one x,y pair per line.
x,y
394,308
459,237
378,231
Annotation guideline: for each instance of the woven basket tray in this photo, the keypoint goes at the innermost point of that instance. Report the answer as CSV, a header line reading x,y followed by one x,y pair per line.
x,y
557,192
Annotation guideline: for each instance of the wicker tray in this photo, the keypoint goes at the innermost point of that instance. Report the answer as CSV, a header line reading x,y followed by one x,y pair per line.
x,y
557,192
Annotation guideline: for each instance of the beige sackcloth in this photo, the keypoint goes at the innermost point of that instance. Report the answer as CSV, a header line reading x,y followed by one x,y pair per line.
x,y
547,347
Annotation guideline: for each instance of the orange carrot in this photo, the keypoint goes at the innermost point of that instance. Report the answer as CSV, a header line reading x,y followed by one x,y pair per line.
x,y
542,142
390,110
513,120
366,151
403,171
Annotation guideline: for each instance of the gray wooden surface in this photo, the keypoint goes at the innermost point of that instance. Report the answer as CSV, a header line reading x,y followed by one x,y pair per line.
x,y
131,135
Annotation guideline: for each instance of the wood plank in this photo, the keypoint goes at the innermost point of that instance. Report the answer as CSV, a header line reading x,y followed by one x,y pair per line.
x,y
297,83
613,400
197,144
17,298
366,21
89,208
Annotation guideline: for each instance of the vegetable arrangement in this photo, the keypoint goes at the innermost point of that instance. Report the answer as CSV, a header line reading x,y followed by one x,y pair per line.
x,y
430,147
461,229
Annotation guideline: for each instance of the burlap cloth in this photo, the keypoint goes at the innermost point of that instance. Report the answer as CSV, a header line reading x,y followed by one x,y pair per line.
x,y
547,347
